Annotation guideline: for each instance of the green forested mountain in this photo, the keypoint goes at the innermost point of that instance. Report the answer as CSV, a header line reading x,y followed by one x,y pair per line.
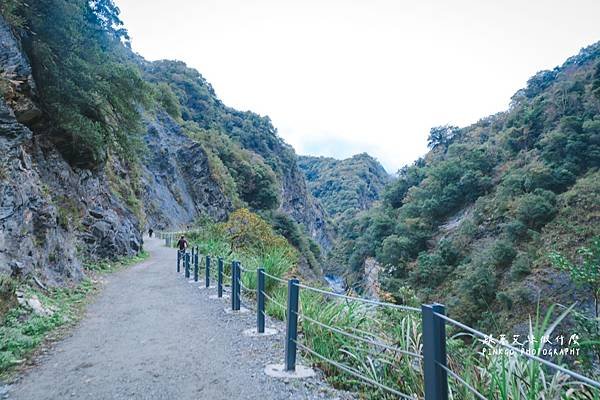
x,y
347,186
471,224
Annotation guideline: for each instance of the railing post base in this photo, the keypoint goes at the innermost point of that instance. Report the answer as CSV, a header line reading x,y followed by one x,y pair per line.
x,y
279,371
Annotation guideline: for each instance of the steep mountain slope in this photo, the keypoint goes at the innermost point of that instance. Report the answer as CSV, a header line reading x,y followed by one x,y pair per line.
x,y
471,224
253,164
347,186
100,144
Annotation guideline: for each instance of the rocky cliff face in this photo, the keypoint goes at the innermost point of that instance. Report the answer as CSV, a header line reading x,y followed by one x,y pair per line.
x,y
201,111
304,208
55,217
52,214
177,181
49,211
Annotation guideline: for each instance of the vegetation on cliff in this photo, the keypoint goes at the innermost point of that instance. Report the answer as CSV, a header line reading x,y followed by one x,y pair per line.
x,y
98,98
344,187
471,224
88,88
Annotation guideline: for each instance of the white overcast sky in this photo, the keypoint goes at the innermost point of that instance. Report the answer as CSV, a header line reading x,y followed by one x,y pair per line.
x,y
338,77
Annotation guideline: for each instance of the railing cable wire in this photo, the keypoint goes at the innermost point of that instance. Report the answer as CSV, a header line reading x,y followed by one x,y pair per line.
x,y
247,270
272,300
350,335
547,363
461,380
355,373
359,299
245,287
275,278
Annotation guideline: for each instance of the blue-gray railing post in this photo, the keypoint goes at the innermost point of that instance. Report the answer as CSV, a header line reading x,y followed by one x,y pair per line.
x,y
187,265
196,267
238,286
260,300
178,261
434,352
220,277
233,281
207,273
291,333
192,249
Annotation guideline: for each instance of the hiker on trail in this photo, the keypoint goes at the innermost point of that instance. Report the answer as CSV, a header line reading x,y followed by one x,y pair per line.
x,y
182,244
150,232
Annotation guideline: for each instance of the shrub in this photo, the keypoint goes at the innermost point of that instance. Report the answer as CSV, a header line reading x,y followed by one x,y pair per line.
x,y
521,267
448,252
479,285
287,227
408,177
284,225
515,229
537,208
395,249
502,253
167,99
574,143
505,299
248,232
541,176
89,89
255,182
586,272
430,270
9,10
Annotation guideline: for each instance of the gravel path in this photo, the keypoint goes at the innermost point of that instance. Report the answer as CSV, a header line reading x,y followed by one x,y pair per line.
x,y
151,334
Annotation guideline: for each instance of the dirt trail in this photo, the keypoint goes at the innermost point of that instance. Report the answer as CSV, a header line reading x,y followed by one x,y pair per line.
x,y
151,334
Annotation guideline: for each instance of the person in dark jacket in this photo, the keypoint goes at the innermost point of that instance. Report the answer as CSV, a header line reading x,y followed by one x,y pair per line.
x,y
150,232
182,244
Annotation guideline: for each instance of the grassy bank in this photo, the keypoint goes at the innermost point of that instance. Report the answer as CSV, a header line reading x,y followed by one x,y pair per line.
x,y
24,330
377,342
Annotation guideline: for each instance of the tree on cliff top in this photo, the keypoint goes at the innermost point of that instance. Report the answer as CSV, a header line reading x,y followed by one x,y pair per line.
x,y
87,87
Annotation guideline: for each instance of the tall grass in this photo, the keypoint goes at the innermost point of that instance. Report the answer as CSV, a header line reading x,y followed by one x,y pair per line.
x,y
276,261
392,333
495,374
498,374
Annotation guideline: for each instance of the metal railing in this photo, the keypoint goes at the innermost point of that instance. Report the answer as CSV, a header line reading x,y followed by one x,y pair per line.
x,y
432,357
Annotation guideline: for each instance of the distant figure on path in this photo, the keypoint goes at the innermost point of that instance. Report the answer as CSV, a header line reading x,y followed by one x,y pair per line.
x,y
182,243
150,232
